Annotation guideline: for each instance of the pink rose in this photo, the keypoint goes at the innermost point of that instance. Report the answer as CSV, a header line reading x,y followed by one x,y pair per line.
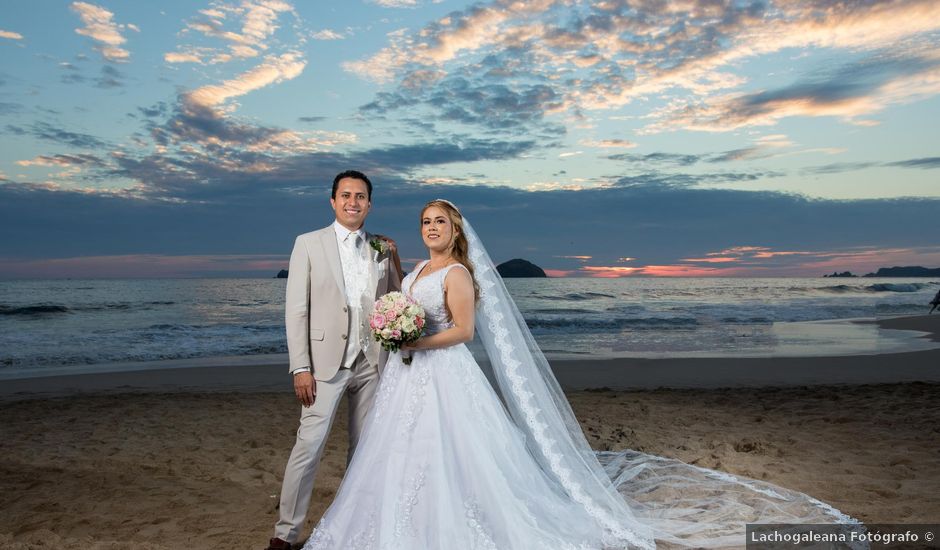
x,y
419,322
378,321
391,315
396,334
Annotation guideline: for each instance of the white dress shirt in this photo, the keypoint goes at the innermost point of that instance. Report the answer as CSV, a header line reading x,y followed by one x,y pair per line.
x,y
356,276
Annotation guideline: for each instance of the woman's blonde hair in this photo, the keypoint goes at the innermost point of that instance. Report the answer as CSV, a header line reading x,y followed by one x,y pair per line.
x,y
460,247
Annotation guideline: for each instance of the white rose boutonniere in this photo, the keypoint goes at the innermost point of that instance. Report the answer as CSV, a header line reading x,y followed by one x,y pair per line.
x,y
379,245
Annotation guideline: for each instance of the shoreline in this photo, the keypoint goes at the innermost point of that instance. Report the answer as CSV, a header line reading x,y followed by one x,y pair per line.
x,y
268,373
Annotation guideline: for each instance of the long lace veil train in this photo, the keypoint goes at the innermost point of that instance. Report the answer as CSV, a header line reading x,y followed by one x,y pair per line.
x,y
638,499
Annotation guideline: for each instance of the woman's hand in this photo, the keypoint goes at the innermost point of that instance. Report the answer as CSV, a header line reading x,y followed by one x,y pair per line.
x,y
411,346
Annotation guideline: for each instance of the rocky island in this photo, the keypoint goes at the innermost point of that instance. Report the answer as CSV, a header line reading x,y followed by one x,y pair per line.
x,y
519,268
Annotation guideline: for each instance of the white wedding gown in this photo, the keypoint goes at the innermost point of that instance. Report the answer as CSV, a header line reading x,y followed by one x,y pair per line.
x,y
440,464
445,462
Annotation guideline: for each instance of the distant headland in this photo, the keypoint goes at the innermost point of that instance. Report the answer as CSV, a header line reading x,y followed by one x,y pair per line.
x,y
907,271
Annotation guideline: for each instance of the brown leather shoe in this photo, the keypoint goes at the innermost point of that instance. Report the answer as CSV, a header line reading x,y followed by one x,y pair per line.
x,y
278,544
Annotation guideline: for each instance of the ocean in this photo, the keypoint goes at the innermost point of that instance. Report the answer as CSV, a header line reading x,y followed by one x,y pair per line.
x,y
76,322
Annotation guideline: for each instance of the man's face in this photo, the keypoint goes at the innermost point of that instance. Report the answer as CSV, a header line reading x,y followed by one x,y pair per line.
x,y
351,203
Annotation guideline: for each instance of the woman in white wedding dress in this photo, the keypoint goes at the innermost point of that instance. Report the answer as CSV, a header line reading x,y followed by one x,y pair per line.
x,y
447,461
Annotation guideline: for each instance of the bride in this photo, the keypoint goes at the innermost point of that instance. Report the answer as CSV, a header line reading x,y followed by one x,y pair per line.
x,y
448,461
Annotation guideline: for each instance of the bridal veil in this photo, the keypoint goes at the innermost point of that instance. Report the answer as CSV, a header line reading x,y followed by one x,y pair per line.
x,y
639,500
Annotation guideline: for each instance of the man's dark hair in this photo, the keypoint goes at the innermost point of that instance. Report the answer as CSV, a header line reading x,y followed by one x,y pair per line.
x,y
354,174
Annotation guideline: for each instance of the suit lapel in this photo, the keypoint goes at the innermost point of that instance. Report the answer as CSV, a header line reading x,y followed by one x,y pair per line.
x,y
331,253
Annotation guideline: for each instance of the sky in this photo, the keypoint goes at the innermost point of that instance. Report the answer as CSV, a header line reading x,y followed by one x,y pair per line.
x,y
595,139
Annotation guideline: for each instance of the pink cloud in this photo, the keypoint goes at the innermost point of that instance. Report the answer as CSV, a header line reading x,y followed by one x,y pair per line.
x,y
758,261
608,272
715,260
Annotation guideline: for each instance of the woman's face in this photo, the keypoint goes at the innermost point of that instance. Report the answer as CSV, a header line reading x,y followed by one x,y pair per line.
x,y
437,230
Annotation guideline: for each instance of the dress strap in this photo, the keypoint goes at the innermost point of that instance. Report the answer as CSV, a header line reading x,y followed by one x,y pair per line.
x,y
448,268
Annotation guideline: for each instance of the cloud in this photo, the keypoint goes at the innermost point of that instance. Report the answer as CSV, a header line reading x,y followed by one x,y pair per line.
x,y
62,160
924,163
658,158
8,108
203,117
493,106
48,132
209,209
109,78
669,179
402,158
190,56
613,272
246,29
160,108
764,147
851,92
396,3
147,265
232,165
608,143
327,34
100,28
10,35
603,56
272,71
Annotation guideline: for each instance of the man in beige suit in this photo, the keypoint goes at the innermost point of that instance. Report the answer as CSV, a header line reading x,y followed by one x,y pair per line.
x,y
335,275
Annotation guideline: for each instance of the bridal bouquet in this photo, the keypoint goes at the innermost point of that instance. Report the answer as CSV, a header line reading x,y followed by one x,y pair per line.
x,y
396,319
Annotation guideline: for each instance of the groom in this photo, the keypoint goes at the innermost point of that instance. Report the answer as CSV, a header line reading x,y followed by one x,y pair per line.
x,y
335,275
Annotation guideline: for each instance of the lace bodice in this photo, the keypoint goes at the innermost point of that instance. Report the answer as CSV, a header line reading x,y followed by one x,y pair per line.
x,y
429,292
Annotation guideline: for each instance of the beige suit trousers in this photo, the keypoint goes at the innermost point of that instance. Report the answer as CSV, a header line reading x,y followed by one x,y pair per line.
x,y
360,383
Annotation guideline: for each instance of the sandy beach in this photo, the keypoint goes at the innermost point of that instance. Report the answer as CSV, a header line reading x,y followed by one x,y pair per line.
x,y
193,457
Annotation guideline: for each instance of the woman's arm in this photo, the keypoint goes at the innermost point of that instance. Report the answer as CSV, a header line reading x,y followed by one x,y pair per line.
x,y
458,296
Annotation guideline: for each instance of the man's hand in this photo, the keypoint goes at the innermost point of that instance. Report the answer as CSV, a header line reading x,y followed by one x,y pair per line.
x,y
305,387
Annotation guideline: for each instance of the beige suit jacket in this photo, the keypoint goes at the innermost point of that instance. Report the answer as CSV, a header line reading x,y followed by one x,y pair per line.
x,y
316,313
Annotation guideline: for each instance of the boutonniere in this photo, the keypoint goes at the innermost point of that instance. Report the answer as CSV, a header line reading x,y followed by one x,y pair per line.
x,y
379,246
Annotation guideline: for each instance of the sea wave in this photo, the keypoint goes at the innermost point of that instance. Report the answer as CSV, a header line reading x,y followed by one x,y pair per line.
x,y
40,309
876,287
638,323
578,296
152,343
896,287
47,309
560,311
